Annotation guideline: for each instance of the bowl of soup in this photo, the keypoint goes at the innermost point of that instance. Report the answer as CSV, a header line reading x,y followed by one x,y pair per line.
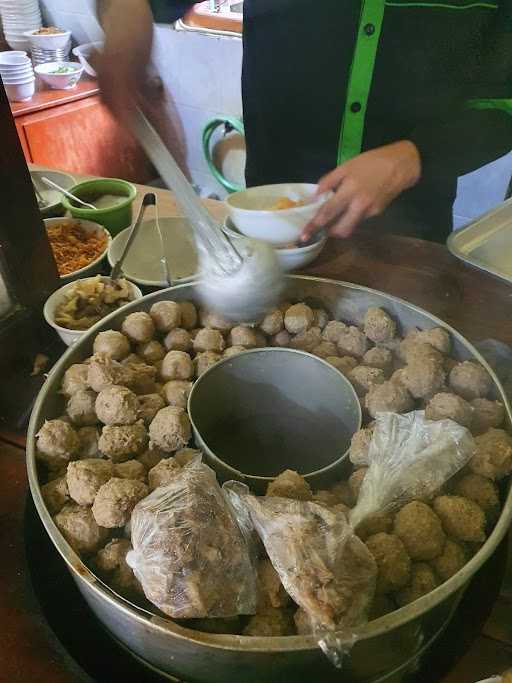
x,y
112,198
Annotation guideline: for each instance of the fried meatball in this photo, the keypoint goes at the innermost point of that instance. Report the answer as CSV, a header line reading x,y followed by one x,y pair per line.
x,y
325,350
446,406
462,518
112,343
204,361
81,408
178,340
163,473
482,491
75,379
273,322
290,484
103,372
420,530
271,592
486,414
423,378
362,378
355,480
176,365
131,469
352,342
138,327
166,315
186,455
150,457
388,397
321,318
233,351
307,340
493,457
176,393
151,352
84,478
78,526
298,318
242,336
89,438
343,493
170,429
281,339
122,442
341,509
302,622
57,443
411,350
209,340
148,407
379,522
344,364
393,562
423,581
333,330
55,495
380,358
450,561
325,498
272,622
115,501
117,406
379,326
360,445
470,380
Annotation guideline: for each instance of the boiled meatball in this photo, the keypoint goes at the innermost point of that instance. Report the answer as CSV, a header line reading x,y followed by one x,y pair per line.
x,y
89,438
344,364
177,365
272,622
363,378
380,358
493,457
379,326
188,315
209,340
75,379
450,561
423,581
412,350
163,473
446,406
139,327
388,397
233,351
325,350
165,315
273,322
57,443
111,564
281,339
360,446
352,342
55,495
131,469
307,340
420,530
170,429
486,414
204,361
215,321
290,484
482,491
117,406
78,526
462,518
148,407
321,318
393,562
115,501
325,498
150,457
186,455
144,376
470,380
81,408
120,443
436,337
355,481
333,330
298,318
151,352
112,343
242,336
178,340
85,477
423,378
176,393
103,372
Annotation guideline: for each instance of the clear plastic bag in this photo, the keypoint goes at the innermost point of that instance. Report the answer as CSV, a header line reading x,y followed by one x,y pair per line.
x,y
410,458
189,553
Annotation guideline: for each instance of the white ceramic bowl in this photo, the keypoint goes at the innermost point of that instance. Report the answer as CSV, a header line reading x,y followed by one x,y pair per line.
x,y
48,41
95,266
12,59
21,78
20,92
18,71
83,53
289,259
68,336
252,213
66,81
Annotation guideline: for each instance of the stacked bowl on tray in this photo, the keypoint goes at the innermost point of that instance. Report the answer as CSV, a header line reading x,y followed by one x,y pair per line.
x,y
17,75
18,17
49,45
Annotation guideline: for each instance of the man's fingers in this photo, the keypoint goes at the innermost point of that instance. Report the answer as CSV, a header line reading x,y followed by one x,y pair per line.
x,y
331,180
348,222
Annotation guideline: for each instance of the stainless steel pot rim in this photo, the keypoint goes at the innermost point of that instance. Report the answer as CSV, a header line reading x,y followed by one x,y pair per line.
x,y
251,643
253,477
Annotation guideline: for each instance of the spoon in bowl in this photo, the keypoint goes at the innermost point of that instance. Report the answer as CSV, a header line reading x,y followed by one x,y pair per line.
x,y
50,183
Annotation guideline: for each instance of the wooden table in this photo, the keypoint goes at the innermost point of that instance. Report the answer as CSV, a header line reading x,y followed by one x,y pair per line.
x,y
424,274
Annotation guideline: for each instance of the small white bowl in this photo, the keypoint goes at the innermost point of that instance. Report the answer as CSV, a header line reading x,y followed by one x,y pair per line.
x,y
290,259
13,58
84,52
18,80
48,41
95,266
65,81
20,92
252,213
69,337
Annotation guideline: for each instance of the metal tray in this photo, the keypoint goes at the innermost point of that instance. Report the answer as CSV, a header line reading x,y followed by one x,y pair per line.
x,y
487,243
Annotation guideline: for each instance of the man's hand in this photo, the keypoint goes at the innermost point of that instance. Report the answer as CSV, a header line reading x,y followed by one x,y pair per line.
x,y
128,26
364,186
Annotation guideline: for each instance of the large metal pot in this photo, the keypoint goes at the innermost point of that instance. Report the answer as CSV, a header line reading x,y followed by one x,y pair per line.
x,y
385,649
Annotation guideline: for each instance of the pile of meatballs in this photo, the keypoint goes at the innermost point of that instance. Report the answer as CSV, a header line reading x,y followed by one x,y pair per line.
x,y
125,432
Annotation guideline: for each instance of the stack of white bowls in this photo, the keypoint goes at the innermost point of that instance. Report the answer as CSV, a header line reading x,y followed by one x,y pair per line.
x,y
17,75
18,17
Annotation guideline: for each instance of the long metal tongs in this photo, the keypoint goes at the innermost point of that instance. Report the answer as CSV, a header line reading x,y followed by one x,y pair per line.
x,y
149,199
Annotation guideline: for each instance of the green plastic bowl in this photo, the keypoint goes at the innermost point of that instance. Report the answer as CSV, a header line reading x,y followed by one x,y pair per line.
x,y
114,219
